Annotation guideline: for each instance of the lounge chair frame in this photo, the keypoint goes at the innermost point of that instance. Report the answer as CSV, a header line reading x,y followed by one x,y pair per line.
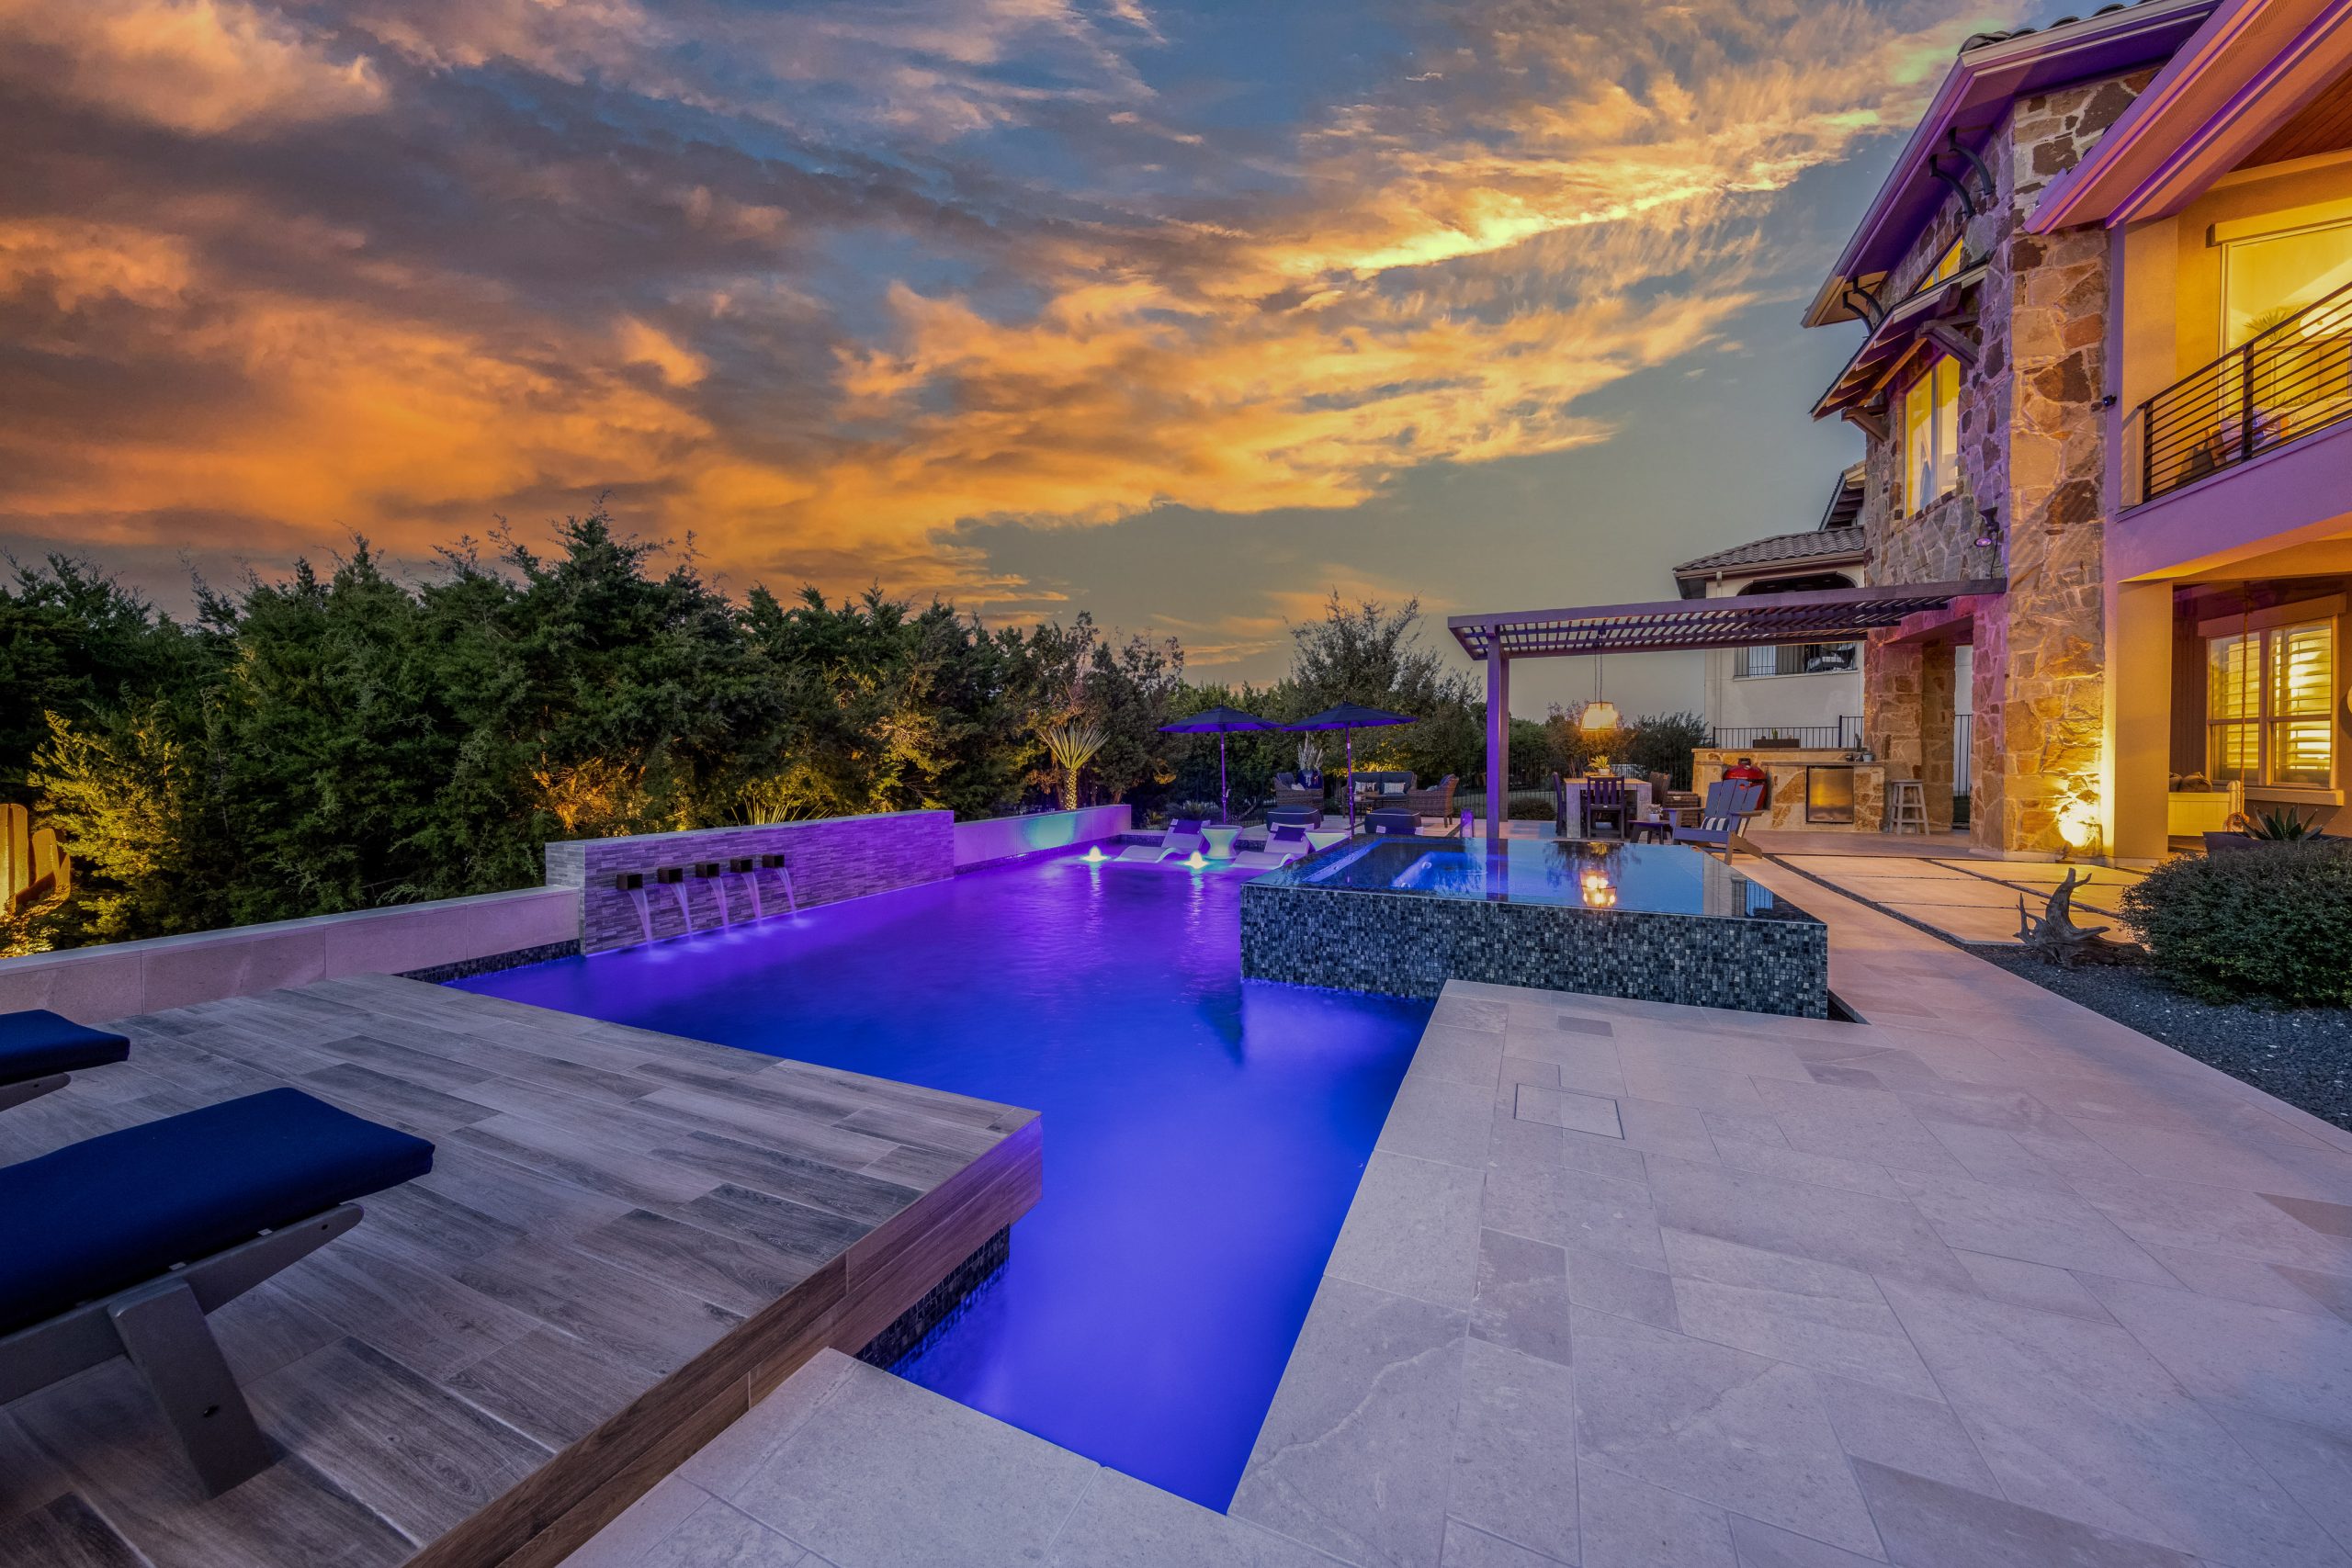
x,y
159,1324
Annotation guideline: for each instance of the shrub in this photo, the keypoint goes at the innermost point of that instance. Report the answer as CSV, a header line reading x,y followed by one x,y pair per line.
x,y
2274,920
1532,811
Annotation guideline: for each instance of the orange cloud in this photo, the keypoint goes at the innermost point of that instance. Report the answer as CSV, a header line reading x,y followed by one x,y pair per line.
x,y
205,67
766,283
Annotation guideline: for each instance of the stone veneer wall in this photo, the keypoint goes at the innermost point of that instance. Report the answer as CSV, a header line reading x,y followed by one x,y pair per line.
x,y
1404,946
830,859
2033,452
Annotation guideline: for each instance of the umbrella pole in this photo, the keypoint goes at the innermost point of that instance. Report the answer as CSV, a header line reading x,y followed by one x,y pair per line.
x,y
1223,792
1348,736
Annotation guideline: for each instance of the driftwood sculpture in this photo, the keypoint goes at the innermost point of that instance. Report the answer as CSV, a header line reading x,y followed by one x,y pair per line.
x,y
2053,936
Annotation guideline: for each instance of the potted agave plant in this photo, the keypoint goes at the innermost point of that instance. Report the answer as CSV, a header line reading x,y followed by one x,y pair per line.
x,y
2284,825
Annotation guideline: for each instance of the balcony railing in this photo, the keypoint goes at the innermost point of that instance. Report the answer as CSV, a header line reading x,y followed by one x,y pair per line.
x,y
1796,659
2289,380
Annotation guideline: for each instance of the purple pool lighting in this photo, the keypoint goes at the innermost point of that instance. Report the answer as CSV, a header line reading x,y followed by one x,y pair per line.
x,y
1203,1136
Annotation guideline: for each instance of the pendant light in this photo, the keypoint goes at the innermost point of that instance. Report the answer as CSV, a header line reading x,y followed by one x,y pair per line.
x,y
1600,716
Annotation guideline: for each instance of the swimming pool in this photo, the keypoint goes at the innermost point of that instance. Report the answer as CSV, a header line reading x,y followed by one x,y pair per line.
x,y
1203,1136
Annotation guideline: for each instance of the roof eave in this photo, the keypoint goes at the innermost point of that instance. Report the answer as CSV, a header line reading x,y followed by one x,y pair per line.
x,y
2249,69
1973,95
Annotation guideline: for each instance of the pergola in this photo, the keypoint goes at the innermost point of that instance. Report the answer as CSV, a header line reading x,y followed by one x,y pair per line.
x,y
1756,620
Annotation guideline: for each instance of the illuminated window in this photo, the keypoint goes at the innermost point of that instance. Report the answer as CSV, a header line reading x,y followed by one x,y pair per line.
x,y
2265,280
1932,435
1946,265
2269,705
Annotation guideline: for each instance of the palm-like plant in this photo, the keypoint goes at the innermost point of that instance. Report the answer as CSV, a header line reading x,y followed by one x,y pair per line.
x,y
1072,746
2285,825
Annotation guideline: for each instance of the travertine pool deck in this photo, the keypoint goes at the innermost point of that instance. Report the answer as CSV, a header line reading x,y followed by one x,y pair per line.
x,y
1986,1281
1967,899
626,1238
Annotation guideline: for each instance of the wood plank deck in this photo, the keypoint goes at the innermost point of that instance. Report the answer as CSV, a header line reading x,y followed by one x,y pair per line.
x,y
626,1238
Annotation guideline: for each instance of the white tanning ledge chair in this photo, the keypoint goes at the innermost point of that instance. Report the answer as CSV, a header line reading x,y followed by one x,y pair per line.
x,y
1183,838
1285,841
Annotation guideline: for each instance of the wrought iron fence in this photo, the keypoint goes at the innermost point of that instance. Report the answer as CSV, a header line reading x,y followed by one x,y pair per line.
x,y
2292,378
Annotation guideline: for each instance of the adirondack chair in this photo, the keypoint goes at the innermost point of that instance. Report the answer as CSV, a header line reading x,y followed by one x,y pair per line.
x,y
1730,804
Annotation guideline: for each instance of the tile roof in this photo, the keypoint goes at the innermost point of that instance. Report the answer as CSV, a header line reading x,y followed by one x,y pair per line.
x,y
1813,544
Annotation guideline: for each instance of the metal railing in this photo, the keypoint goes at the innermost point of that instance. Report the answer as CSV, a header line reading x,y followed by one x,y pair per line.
x,y
1796,659
1844,735
2283,383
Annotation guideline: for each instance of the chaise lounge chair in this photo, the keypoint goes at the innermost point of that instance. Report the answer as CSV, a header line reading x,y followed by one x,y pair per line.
x,y
119,1245
1183,838
1285,841
39,1051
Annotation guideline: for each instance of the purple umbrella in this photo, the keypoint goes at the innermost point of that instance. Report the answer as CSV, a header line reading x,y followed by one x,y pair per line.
x,y
1350,717
1219,722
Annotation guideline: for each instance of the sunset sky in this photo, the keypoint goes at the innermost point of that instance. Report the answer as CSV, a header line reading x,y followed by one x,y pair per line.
x,y
1182,312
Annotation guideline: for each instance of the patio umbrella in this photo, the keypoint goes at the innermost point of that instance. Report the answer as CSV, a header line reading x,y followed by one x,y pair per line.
x,y
1350,717
1219,722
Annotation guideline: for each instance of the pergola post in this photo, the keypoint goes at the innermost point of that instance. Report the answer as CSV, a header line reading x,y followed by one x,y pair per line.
x,y
1498,739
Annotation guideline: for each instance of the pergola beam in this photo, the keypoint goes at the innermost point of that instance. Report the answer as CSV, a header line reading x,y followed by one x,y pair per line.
x,y
1757,620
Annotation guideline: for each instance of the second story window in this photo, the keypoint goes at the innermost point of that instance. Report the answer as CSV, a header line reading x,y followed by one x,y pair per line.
x,y
1931,435
2267,279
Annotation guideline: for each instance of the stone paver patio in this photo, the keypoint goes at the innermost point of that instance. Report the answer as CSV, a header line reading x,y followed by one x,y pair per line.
x,y
1988,1280
1967,899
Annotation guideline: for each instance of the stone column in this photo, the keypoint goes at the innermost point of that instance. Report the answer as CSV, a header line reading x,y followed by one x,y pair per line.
x,y
1988,747
1938,709
2045,305
1892,708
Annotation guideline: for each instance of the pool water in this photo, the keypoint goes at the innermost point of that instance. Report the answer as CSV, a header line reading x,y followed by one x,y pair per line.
x,y
1667,879
1202,1135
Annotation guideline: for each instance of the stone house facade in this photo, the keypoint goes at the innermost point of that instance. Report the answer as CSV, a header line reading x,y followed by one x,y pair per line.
x,y
2025,329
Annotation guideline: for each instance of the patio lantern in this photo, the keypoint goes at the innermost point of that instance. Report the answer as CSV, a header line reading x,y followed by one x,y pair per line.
x,y
1599,718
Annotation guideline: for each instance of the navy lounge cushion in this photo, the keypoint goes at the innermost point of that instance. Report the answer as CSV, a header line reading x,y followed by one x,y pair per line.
x,y
111,1211
36,1042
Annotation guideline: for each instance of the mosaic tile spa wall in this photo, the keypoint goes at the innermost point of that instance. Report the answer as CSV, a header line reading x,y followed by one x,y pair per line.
x,y
1410,947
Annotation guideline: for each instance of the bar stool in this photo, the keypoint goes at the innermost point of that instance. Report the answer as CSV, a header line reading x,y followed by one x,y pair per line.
x,y
1907,806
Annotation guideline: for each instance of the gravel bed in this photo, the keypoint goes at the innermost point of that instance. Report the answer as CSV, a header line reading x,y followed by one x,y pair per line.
x,y
2303,1056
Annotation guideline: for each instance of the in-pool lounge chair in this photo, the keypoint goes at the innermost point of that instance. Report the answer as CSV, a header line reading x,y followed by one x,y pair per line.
x,y
39,1051
1285,841
119,1245
1184,837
